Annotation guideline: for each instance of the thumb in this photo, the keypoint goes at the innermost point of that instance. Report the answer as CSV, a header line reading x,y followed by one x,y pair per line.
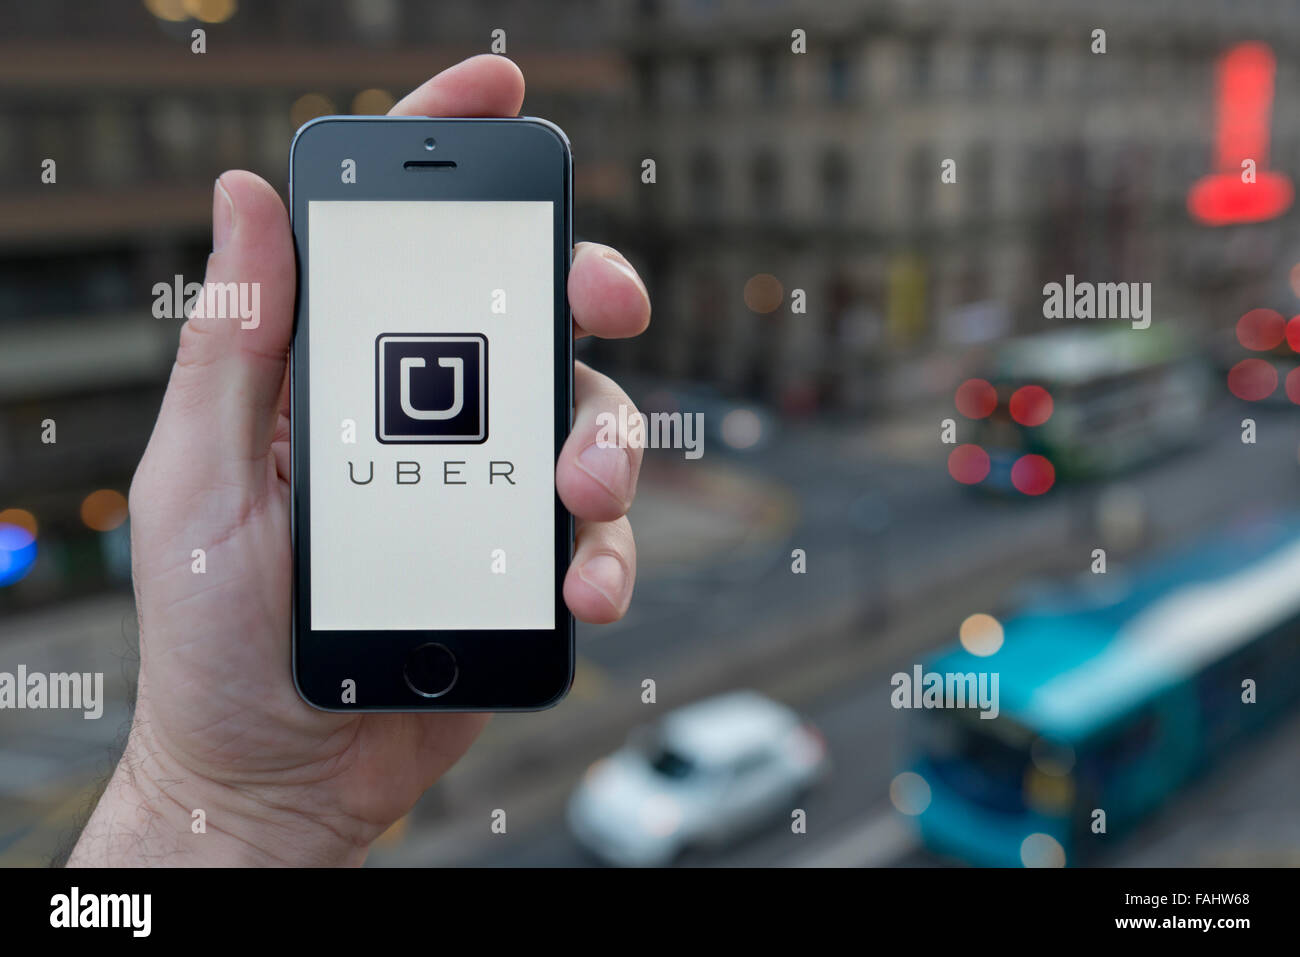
x,y
223,396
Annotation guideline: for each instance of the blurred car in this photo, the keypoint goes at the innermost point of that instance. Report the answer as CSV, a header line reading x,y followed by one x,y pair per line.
x,y
704,775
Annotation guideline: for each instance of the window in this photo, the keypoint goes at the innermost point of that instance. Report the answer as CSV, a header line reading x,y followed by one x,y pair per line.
x,y
981,66
839,77
1130,746
922,175
1035,69
835,184
647,82
769,76
979,182
705,187
767,187
671,764
702,79
920,56
749,763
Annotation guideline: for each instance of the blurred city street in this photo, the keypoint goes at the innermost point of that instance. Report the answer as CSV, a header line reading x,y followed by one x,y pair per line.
x,y
718,608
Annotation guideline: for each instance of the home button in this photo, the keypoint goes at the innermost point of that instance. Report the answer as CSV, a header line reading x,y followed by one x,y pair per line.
x,y
431,670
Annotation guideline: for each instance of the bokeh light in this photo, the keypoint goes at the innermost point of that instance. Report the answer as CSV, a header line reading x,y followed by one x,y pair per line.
x,y
1293,333
976,398
1042,850
741,428
17,553
1252,379
1033,474
1261,329
1031,405
104,510
764,293
207,11
372,102
173,11
308,107
1293,385
981,634
211,11
910,793
968,464
1047,793
19,517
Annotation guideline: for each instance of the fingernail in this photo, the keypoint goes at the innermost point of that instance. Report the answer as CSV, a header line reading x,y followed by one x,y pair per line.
x,y
605,574
608,465
615,257
223,216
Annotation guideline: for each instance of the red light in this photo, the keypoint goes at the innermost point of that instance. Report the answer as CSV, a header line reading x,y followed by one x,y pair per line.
x,y
1252,379
976,398
1033,474
968,464
1244,101
1031,405
1261,329
1293,333
1293,386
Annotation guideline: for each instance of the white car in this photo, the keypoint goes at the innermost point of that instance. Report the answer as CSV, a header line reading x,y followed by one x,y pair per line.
x,y
704,774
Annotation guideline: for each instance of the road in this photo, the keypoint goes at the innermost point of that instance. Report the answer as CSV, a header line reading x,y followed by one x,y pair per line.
x,y
897,555
931,527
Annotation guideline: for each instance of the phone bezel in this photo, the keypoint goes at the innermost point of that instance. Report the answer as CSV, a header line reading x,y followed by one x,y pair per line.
x,y
523,158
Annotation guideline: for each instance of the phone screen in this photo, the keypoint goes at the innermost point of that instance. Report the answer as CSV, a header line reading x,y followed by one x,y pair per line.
x,y
432,432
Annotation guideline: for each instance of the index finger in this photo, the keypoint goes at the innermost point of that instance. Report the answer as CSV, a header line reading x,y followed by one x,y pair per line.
x,y
483,85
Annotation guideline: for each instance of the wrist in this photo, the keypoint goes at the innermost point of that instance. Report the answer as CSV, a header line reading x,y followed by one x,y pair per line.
x,y
154,812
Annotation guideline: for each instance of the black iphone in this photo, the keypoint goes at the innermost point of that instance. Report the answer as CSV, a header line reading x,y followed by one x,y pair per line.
x,y
432,389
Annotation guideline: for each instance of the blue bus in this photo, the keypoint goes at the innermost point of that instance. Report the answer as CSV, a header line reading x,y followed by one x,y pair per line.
x,y
1113,692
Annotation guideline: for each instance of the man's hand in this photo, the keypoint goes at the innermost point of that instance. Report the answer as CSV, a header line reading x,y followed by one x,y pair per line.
x,y
218,726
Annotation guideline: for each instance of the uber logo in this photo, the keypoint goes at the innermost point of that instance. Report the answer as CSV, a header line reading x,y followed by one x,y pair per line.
x,y
431,388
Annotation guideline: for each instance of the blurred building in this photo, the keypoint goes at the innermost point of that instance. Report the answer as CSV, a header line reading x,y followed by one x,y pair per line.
x,y
823,169
775,171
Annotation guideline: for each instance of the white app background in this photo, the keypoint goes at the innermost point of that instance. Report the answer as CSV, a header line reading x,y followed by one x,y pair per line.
x,y
388,556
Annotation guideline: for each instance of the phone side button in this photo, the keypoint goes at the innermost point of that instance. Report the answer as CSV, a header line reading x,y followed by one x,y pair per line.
x,y
431,670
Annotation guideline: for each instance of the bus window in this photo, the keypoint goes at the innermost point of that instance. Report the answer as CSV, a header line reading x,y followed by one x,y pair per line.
x,y
1133,744
1118,770
984,765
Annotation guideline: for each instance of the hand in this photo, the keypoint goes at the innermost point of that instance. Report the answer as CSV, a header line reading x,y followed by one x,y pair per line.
x,y
218,725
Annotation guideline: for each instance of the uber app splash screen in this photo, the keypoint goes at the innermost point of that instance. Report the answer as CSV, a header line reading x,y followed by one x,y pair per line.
x,y
432,426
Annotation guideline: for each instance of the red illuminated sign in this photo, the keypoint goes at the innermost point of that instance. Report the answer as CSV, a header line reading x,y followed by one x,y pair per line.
x,y
1236,192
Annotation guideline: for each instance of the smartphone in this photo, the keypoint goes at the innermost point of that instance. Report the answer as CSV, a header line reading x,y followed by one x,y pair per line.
x,y
432,388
